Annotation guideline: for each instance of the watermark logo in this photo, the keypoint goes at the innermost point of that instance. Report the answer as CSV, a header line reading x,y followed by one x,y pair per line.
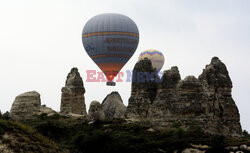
x,y
127,76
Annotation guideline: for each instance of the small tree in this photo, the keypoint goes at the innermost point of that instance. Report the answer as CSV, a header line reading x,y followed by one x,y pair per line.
x,y
246,134
1,116
6,115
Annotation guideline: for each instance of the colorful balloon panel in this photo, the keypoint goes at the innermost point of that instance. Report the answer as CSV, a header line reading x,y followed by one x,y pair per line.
x,y
110,40
156,57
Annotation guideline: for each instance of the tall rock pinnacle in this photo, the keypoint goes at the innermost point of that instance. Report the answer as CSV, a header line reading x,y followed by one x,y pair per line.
x,y
143,90
217,87
72,100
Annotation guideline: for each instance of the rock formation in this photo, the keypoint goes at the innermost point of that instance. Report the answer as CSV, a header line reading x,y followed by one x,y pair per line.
x,y
25,105
217,87
28,104
204,102
72,100
143,90
46,110
113,106
95,111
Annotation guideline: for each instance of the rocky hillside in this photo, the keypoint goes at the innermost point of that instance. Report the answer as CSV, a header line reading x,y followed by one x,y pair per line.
x,y
19,138
205,101
117,135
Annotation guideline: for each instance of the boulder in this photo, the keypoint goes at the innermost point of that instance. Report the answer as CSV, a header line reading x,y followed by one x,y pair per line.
x,y
243,147
95,111
76,116
25,105
113,106
46,110
72,99
4,148
193,150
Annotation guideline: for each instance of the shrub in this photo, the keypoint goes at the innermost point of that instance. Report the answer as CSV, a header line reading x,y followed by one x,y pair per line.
x,y
195,130
180,132
56,116
218,144
43,116
1,131
51,130
6,115
176,124
87,142
246,134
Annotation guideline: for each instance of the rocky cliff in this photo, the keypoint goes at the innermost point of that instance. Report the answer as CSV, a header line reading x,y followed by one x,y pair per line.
x,y
72,100
204,102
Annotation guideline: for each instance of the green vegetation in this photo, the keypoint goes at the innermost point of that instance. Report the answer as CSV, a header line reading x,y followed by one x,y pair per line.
x,y
218,144
40,133
6,115
246,134
21,138
118,136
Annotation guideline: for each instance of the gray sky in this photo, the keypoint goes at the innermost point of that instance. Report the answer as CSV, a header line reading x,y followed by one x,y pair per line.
x,y
40,41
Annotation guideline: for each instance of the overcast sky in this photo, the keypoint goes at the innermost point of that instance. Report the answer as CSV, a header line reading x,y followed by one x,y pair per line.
x,y
40,41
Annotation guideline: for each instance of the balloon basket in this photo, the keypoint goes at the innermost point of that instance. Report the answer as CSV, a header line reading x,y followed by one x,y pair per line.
x,y
110,84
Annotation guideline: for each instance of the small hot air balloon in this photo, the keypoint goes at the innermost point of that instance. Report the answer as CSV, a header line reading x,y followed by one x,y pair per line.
x,y
155,56
110,40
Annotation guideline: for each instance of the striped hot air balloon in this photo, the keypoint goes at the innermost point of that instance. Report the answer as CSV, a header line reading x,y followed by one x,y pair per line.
x,y
155,56
110,40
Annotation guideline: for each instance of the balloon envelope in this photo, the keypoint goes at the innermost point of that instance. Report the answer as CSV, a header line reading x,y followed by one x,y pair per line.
x,y
110,40
155,56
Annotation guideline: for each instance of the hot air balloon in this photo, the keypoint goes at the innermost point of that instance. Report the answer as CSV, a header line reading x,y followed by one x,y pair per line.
x,y
110,40
155,56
